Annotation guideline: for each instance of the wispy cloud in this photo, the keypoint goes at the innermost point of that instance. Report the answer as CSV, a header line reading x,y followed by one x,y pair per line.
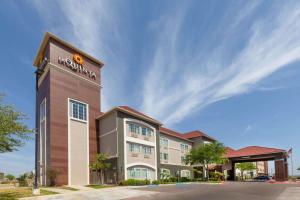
x,y
172,93
248,129
192,64
96,27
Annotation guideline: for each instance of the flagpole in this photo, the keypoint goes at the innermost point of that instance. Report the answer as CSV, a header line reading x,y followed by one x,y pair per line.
x,y
292,163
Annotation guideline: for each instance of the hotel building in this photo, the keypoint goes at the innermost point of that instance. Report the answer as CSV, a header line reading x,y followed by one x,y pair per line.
x,y
72,129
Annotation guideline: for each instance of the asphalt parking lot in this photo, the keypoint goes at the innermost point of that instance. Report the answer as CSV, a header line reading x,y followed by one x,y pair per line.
x,y
226,191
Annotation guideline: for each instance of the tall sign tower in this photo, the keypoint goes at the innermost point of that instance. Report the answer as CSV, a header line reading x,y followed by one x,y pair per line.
x,y
68,85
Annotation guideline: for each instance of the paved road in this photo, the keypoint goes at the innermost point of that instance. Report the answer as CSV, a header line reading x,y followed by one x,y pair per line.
x,y
227,191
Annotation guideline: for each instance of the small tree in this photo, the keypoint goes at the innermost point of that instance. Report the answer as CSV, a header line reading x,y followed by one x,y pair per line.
x,y
212,153
245,167
52,176
298,168
100,165
10,177
22,179
13,132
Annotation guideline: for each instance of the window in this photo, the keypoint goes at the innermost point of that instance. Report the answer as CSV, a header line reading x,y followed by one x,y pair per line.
x,y
185,173
183,160
165,156
77,110
135,148
184,147
139,173
164,173
144,131
133,128
43,110
147,150
164,142
161,156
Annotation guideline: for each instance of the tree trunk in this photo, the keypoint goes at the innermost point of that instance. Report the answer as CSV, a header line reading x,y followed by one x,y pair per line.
x,y
102,177
99,176
207,171
242,174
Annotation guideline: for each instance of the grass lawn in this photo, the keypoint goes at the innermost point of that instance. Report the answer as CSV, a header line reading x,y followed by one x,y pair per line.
x,y
100,186
10,194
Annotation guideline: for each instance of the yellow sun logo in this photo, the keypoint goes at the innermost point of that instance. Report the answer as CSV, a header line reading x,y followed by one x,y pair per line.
x,y
78,59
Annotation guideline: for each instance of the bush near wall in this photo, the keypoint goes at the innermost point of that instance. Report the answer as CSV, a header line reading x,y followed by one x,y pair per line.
x,y
134,182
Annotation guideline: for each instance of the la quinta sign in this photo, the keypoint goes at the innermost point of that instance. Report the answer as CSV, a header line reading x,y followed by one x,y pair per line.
x,y
77,65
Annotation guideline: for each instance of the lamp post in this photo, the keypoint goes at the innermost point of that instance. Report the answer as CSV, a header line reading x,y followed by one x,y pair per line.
x,y
36,190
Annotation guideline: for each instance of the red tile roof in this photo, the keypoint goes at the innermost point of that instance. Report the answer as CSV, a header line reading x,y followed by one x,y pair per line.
x,y
130,111
251,151
196,133
172,133
136,112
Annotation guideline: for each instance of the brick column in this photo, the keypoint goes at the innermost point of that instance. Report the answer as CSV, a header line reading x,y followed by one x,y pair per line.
x,y
281,173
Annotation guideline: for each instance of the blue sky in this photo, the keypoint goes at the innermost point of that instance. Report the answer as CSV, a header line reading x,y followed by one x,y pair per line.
x,y
228,68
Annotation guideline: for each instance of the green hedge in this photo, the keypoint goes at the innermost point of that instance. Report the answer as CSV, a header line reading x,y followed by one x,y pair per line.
x,y
134,182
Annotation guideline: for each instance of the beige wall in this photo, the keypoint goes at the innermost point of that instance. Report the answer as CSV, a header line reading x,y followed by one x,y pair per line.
x,y
78,159
174,150
108,135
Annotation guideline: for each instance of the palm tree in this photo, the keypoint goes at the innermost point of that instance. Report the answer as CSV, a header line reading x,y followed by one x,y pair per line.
x,y
99,165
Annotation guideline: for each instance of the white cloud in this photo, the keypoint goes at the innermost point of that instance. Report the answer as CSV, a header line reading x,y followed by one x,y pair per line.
x,y
182,75
248,129
96,27
172,93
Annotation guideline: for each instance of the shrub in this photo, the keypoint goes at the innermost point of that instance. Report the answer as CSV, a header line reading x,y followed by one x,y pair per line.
x,y
52,175
134,182
184,179
155,182
10,177
173,179
216,176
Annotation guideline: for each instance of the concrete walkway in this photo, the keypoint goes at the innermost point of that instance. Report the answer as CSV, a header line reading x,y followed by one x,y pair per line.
x,y
114,193
291,193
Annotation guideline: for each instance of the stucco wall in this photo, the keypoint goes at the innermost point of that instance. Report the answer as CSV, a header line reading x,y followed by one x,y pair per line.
x,y
78,153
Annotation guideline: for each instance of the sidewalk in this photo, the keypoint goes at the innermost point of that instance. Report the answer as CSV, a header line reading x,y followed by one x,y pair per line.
x,y
291,193
113,193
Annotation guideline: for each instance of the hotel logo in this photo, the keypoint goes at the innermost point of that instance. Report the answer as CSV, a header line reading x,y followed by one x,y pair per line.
x,y
77,65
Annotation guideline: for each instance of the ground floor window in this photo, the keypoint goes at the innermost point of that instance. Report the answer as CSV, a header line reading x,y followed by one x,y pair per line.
x,y
140,173
185,173
165,173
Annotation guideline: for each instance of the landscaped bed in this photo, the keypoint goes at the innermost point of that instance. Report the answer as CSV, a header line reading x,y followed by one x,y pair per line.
x,y
15,193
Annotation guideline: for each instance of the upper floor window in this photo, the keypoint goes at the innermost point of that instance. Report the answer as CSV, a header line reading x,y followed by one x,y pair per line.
x,y
164,156
146,131
163,141
43,110
134,148
134,128
77,110
147,150
183,160
140,130
184,147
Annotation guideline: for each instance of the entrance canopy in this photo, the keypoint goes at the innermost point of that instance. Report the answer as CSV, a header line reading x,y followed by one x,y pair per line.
x,y
257,153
